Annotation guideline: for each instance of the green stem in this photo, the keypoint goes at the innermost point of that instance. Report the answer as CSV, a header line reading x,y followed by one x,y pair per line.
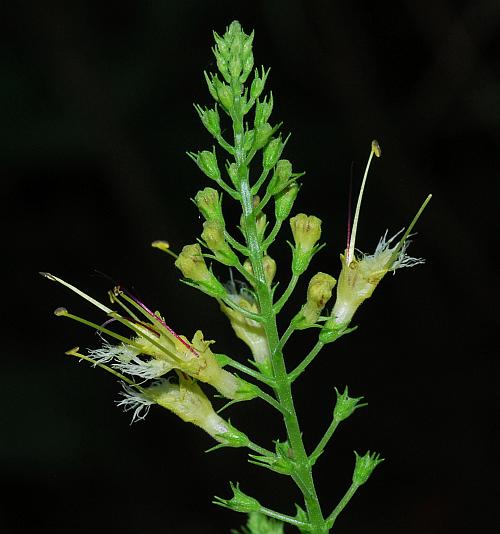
x,y
268,319
324,441
247,370
286,295
286,336
342,504
257,448
272,236
235,244
283,517
306,361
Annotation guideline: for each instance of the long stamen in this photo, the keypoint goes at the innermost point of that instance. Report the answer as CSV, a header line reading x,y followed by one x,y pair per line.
x,y
63,312
74,352
78,292
150,314
352,241
165,247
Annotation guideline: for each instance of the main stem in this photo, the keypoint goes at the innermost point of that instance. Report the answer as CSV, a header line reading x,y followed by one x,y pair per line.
x,y
303,472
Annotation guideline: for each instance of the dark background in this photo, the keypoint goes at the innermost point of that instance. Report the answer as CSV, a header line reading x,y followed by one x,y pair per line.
x,y
96,116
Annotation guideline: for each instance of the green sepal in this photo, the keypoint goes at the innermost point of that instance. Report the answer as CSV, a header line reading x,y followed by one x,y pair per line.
x,y
263,110
364,467
329,335
213,288
301,258
281,462
239,502
345,405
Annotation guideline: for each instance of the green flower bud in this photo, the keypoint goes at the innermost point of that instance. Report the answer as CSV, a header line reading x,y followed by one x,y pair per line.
x,y
272,152
210,119
222,46
249,140
239,502
247,67
364,467
211,86
319,292
263,111
257,86
213,235
282,173
306,233
283,202
235,66
281,462
224,94
207,161
208,202
232,171
260,222
345,405
247,45
262,134
192,265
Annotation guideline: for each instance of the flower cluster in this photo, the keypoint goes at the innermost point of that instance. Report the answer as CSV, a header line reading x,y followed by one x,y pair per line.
x,y
153,351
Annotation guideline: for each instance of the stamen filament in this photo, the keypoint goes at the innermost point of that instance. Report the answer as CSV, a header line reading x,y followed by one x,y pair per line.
x,y
74,352
352,240
77,291
150,315
100,328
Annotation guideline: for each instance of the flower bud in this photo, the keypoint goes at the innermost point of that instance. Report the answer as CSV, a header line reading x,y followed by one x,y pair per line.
x,y
208,202
263,111
257,86
211,84
282,173
239,502
272,152
306,232
224,94
247,67
213,235
222,45
210,119
207,162
192,265
232,171
235,66
248,140
261,224
345,405
283,201
364,467
251,332
262,135
319,293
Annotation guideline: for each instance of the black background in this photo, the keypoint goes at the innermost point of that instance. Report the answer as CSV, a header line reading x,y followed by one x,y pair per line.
x,y
96,116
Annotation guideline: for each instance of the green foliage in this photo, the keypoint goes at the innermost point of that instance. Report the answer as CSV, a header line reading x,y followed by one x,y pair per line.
x,y
260,524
